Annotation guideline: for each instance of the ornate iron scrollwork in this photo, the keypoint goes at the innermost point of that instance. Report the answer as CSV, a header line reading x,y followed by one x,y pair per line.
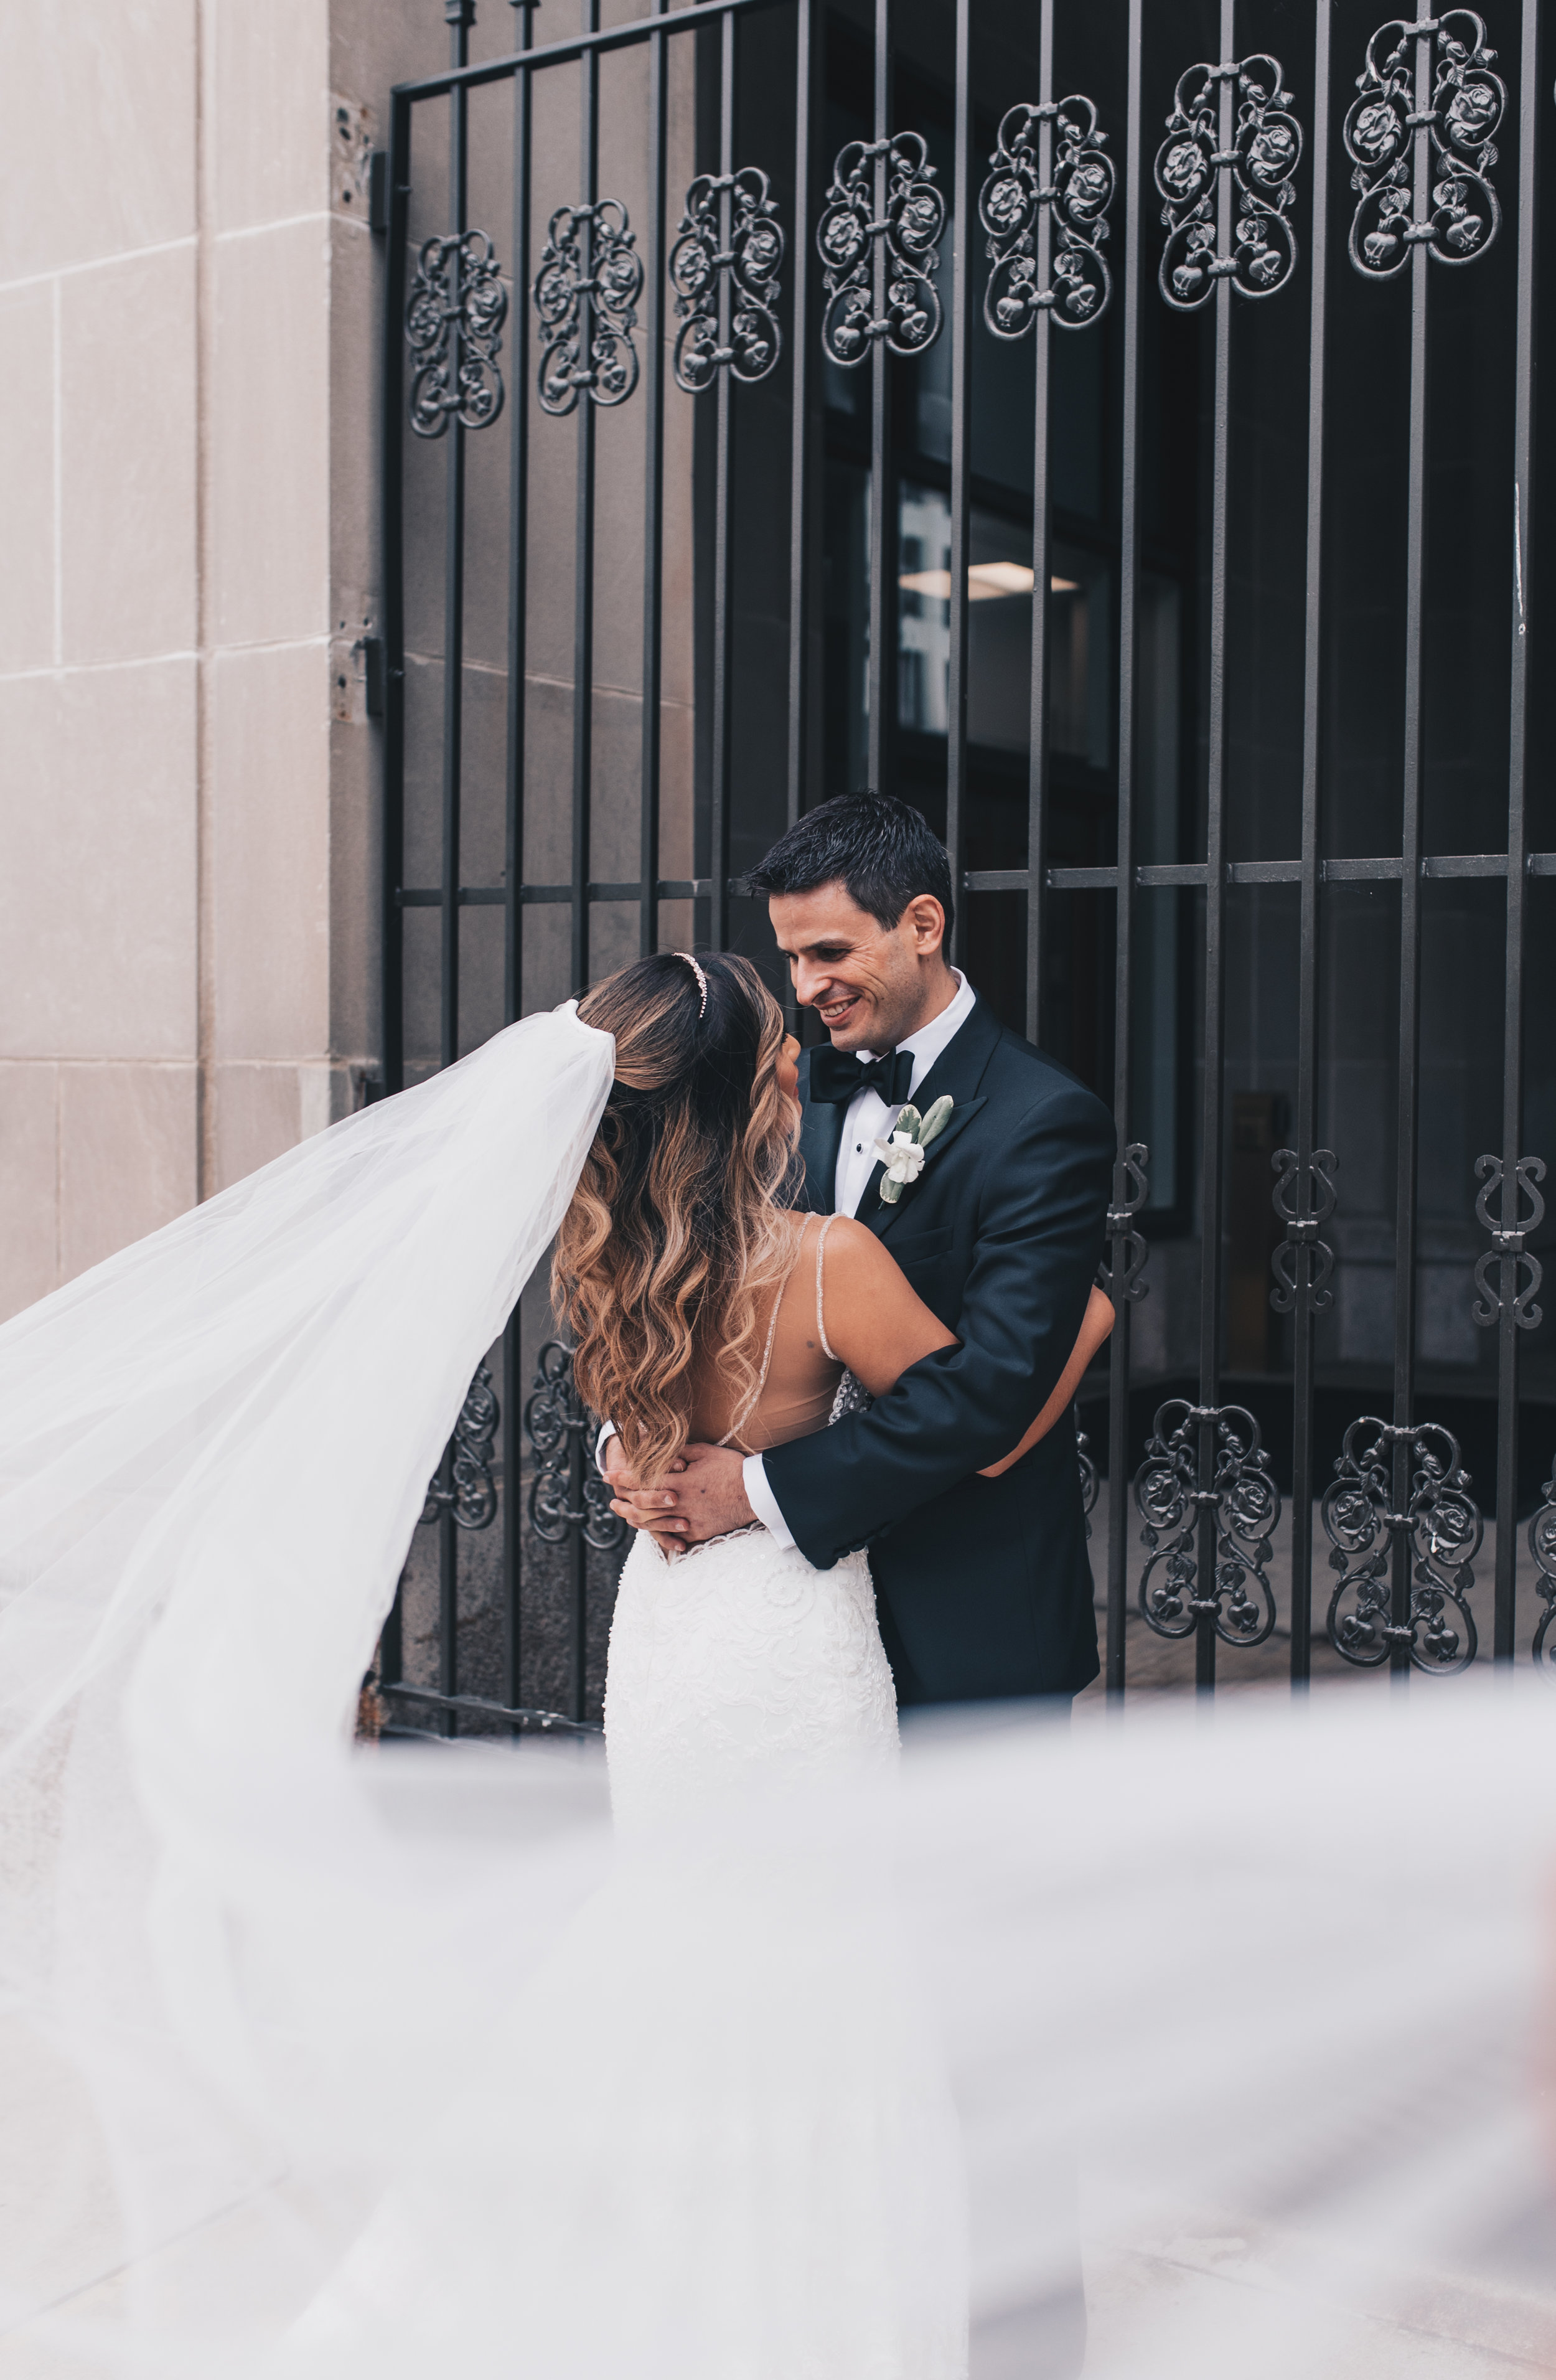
x,y
585,295
912,219
1542,1547
1265,151
1090,1485
1440,1528
463,1486
454,325
1509,1251
1129,1251
728,235
1010,205
1302,1263
1246,1504
1384,123
560,1428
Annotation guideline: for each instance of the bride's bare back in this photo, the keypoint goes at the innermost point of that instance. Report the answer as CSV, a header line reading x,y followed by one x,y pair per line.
x,y
845,1304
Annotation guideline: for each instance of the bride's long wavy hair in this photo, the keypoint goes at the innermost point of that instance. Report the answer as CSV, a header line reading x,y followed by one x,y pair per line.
x,y
676,1224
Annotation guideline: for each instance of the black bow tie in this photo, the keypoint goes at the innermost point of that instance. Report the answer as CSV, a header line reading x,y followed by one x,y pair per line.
x,y
836,1075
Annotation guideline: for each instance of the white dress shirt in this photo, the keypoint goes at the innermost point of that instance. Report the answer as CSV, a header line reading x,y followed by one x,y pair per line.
x,y
869,1119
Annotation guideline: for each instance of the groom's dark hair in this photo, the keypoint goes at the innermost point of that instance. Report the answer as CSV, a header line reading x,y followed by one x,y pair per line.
x,y
879,848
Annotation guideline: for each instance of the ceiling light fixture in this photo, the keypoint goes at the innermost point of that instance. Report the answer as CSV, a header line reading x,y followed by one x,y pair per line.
x,y
986,582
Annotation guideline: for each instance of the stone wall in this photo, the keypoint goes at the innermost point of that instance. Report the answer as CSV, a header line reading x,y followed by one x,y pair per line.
x,y
188,877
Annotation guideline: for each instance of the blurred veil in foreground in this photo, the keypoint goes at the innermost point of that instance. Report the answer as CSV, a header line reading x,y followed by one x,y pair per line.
x,y
290,2032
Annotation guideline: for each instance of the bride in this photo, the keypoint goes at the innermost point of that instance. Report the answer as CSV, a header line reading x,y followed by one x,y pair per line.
x,y
375,2065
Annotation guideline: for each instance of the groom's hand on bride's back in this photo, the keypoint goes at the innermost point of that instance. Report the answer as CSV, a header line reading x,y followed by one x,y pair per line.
x,y
707,1500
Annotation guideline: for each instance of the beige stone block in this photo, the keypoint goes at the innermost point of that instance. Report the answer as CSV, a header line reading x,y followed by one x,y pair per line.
x,y
28,1184
270,431
27,495
270,827
257,1114
97,129
98,897
354,300
127,453
128,1157
271,85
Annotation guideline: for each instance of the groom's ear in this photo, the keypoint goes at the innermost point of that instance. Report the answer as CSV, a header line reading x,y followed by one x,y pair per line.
x,y
926,921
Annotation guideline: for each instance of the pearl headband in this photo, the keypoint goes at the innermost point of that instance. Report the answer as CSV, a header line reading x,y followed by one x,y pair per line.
x,y
701,979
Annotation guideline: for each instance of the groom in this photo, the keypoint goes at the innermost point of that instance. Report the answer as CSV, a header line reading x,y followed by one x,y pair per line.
x,y
983,1585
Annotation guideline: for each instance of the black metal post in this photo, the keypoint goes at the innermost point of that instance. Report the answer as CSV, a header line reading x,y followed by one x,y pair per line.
x,y
513,906
392,614
1042,552
1306,1254
1129,665
584,533
718,853
653,499
1508,1319
882,540
1408,1123
1216,885
805,57
963,239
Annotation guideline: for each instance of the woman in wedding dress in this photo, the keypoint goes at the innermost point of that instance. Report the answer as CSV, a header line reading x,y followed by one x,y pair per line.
x,y
347,2063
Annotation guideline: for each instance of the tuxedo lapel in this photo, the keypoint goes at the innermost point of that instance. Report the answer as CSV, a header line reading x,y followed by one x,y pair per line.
x,y
820,1136
958,1071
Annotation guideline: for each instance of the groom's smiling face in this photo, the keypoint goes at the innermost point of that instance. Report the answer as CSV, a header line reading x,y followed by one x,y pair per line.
x,y
871,985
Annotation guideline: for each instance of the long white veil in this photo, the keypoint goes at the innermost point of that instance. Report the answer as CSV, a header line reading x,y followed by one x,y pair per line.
x,y
213,1450
1280,1982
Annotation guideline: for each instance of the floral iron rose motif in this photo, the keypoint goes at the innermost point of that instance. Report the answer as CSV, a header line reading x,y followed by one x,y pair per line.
x,y
463,1485
1010,205
585,295
907,231
1266,149
1246,1503
1467,103
454,323
903,1154
728,250
1542,1547
567,1494
1438,1529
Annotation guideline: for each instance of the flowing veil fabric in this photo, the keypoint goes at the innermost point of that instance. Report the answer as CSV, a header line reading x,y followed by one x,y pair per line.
x,y
282,2041
213,1450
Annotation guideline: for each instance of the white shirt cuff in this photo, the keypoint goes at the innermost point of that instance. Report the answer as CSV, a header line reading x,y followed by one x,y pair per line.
x,y
608,1430
762,1500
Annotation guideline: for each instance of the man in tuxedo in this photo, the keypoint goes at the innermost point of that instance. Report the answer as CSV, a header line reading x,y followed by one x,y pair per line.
x,y
983,1585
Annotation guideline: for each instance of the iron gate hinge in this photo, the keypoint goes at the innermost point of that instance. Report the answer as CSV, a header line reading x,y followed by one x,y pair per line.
x,y
372,675
378,190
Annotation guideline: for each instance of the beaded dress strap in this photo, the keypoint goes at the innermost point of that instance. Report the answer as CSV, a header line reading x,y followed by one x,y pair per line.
x,y
755,1399
826,1346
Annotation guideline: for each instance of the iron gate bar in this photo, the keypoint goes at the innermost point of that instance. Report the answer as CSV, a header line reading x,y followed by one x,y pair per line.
x,y
719,822
1309,1268
805,55
584,529
1408,1125
1042,549
458,14
883,544
1510,1315
514,838
652,502
1124,877
961,366
595,41
1213,1121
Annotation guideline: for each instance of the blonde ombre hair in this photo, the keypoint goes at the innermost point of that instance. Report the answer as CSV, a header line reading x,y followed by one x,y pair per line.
x,y
676,1224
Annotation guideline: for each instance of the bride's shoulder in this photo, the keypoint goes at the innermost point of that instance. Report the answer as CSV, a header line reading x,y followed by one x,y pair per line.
x,y
855,1254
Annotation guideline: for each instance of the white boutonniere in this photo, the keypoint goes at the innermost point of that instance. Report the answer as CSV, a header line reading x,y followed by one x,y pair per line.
x,y
903,1154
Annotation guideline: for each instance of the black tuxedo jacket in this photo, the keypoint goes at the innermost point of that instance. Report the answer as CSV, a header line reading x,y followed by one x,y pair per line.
x,y
984,1585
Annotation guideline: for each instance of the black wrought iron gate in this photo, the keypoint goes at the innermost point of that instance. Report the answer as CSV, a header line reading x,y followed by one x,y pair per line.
x,y
1119,437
